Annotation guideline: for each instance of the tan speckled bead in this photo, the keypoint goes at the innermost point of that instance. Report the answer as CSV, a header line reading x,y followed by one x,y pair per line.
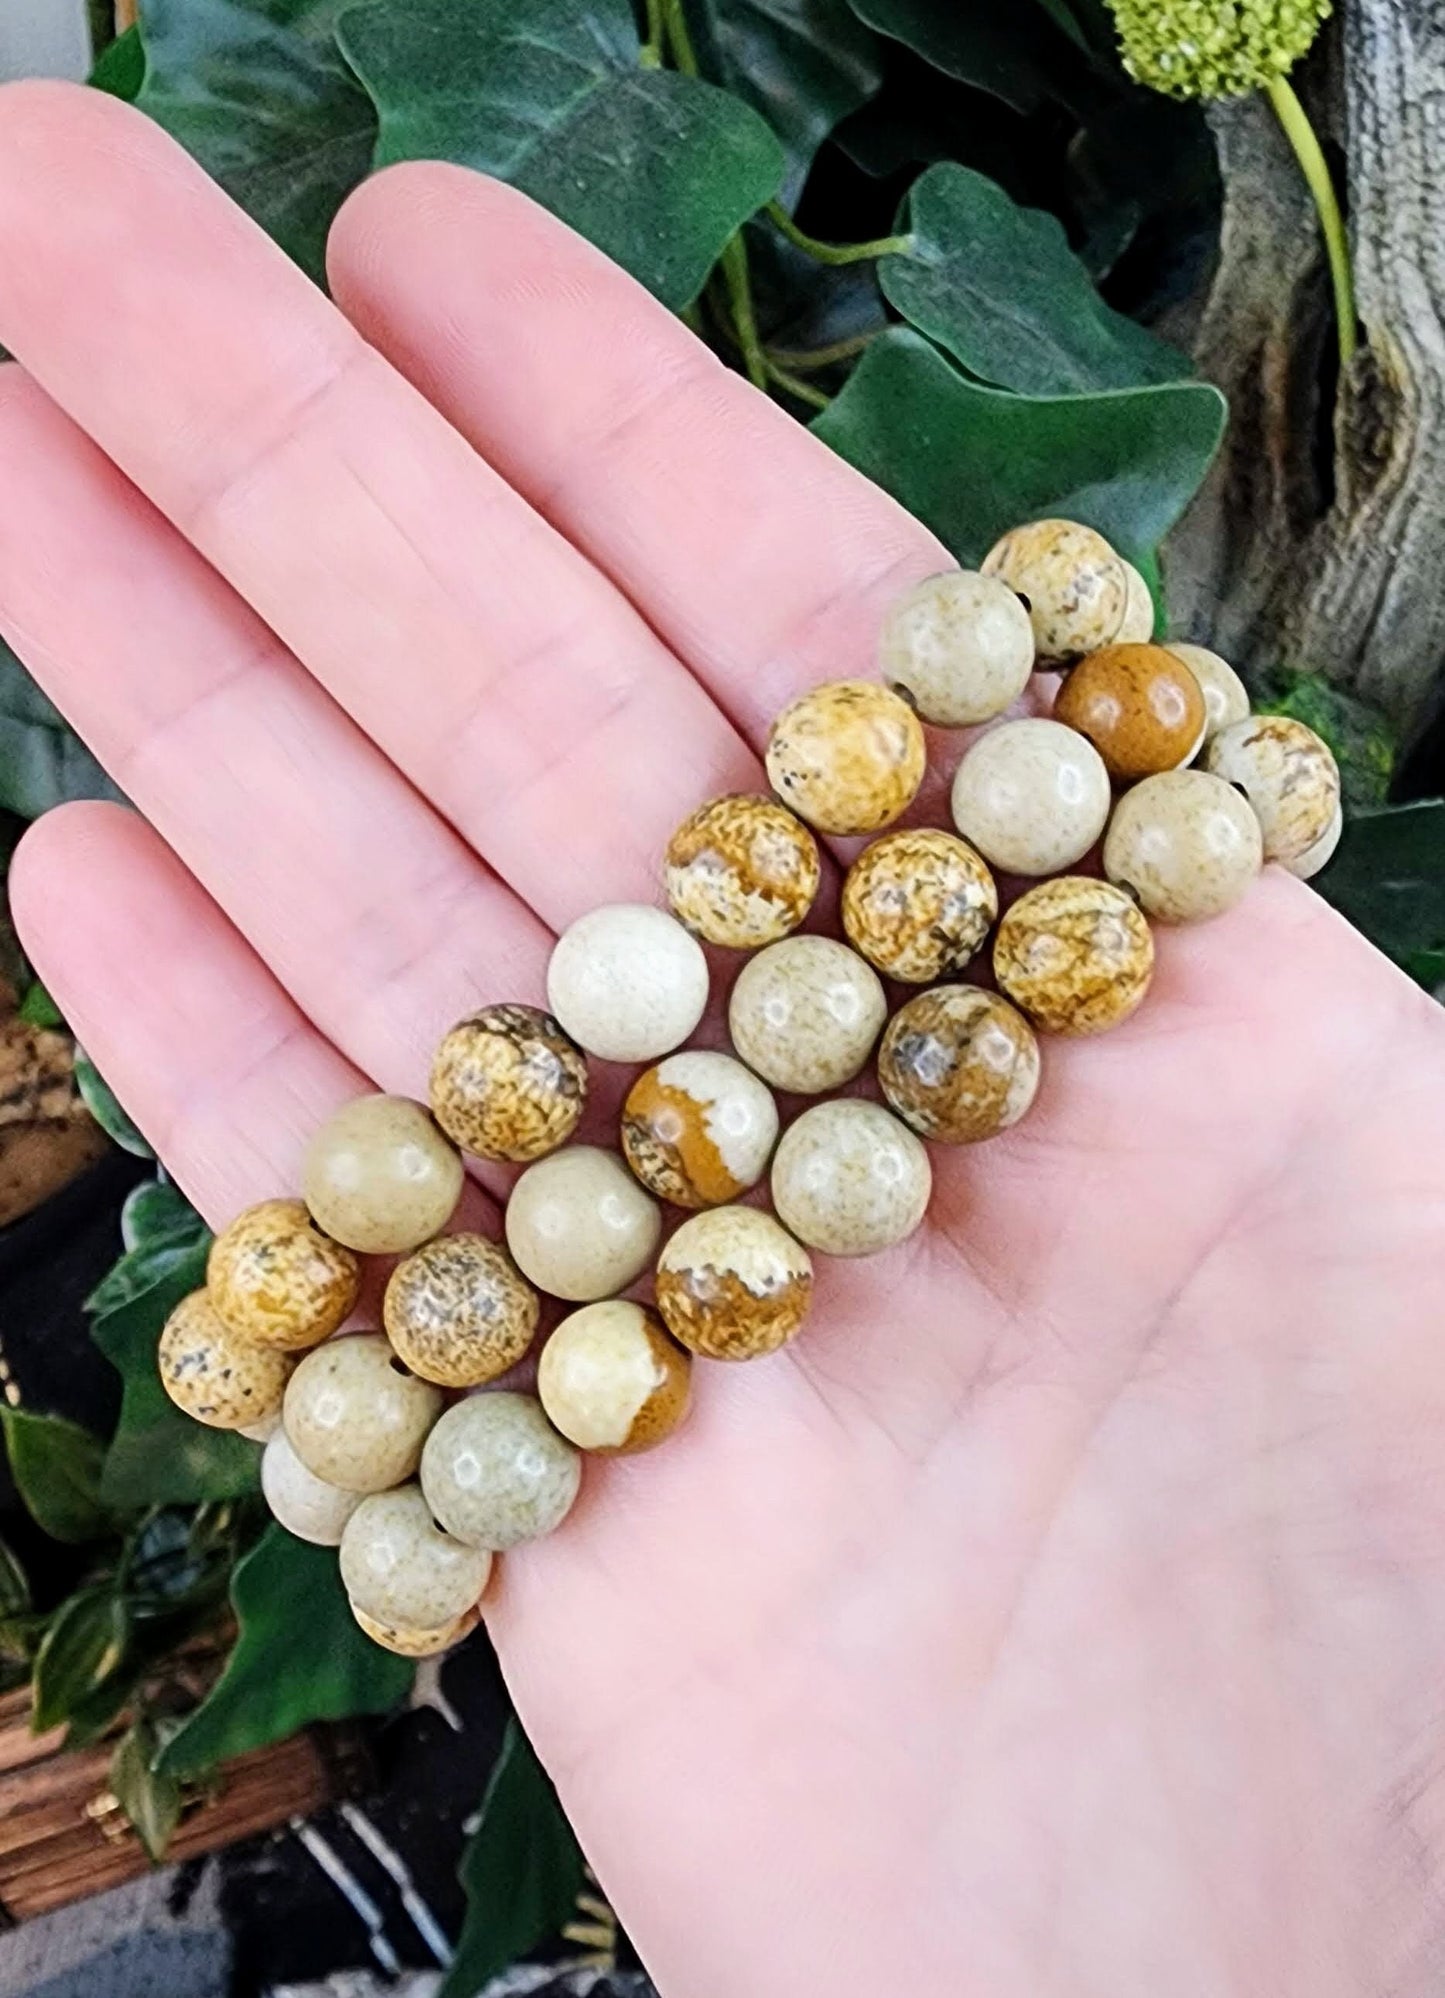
x,y
278,1281
1138,625
612,1380
1309,863
300,1501
850,1179
1075,954
1032,796
496,1473
1074,586
218,1379
356,1417
742,871
380,1177
458,1311
918,904
1186,844
848,757
579,1226
1226,698
959,1064
804,1013
699,1128
1139,705
508,1083
733,1284
1287,773
959,647
399,1567
408,1643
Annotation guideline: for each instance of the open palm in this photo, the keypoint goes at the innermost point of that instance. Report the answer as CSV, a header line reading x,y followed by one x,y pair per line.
x,y
1065,1612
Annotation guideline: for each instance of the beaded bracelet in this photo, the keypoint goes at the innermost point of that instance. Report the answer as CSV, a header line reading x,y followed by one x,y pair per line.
x,y
374,1442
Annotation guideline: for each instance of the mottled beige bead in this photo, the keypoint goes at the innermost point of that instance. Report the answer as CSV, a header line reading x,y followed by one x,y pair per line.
x,y
459,1312
612,1380
805,1013
356,1416
850,1179
399,1567
218,1379
579,1225
742,871
918,904
380,1177
278,1281
508,1083
1032,796
408,1643
1074,586
1138,625
1075,954
1226,698
1287,773
699,1128
300,1501
1186,844
628,982
959,1064
848,757
1315,857
959,647
733,1284
496,1473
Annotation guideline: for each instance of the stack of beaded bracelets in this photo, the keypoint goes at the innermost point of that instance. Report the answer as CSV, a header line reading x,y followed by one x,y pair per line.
x,y
380,1449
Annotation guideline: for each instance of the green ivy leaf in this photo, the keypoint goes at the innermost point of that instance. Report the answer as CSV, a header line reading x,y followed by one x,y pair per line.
x,y
657,169
38,1009
522,1870
56,1466
1388,878
14,1586
300,1657
156,1210
82,1649
160,1230
971,461
150,1800
1014,52
100,1100
120,70
43,762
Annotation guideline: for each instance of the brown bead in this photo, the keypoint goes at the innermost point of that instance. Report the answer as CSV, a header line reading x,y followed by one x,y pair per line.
x,y
918,904
1075,954
612,1381
276,1280
732,1284
699,1128
1139,705
508,1083
848,756
959,1064
742,872
459,1312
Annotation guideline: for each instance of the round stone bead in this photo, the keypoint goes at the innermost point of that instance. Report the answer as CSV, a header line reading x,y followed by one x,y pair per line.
x,y
848,756
264,1429
804,1013
1138,625
380,1177
1309,863
400,1568
611,1380
1032,796
918,904
732,1284
742,872
507,1083
958,647
1226,698
458,1312
1139,705
959,1064
850,1179
356,1417
579,1226
278,1281
627,982
1186,844
1075,954
1072,583
699,1129
1288,775
409,1643
217,1378
495,1472
301,1502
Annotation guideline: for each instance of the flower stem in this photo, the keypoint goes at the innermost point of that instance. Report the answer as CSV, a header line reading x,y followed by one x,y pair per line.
x,y
674,22
836,253
1301,135
795,386
740,301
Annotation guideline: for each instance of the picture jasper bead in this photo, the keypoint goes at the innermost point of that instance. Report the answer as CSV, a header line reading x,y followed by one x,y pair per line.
x,y
850,1179
1289,776
959,1064
918,904
958,647
627,982
356,1416
805,1013
1186,844
612,1380
496,1473
380,1177
579,1226
508,1083
1072,583
1308,864
1075,954
848,757
216,1378
278,1281
1032,796
409,1643
699,1129
1138,625
458,1312
742,872
399,1567
732,1284
1139,705
1226,698
301,1502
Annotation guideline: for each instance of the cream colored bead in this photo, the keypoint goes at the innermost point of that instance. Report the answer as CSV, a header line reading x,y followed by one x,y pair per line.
x,y
399,1567
409,1643
380,1177
1138,625
804,1013
1032,796
959,647
356,1417
850,1179
699,1128
277,1280
1315,857
214,1376
1226,698
300,1501
579,1225
263,1430
495,1472
1187,845
848,757
627,982
1289,776
1074,585
611,1379
732,1284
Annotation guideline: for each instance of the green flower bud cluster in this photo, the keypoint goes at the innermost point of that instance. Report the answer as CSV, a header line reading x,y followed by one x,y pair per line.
x,y
1215,48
